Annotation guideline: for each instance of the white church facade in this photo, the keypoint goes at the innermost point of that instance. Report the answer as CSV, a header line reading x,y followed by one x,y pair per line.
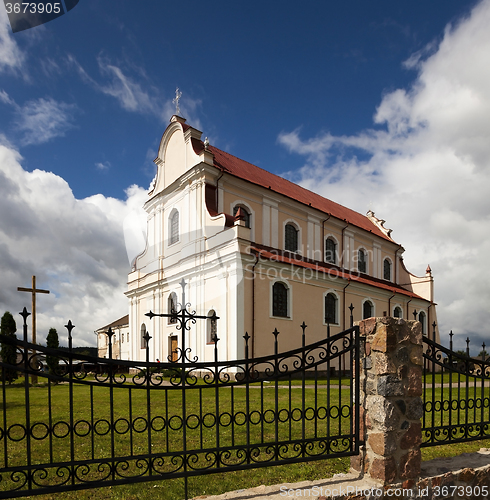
x,y
261,253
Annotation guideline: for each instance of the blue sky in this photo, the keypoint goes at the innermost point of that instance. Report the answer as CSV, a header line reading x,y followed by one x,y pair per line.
x,y
373,104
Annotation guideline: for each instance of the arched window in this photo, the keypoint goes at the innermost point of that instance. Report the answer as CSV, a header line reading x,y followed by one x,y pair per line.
x,y
387,269
245,213
331,308
291,238
174,227
423,321
397,312
367,309
330,251
361,261
211,327
142,336
172,307
280,300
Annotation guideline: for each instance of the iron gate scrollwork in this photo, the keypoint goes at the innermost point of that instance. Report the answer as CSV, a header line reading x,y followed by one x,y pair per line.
x,y
94,423
456,391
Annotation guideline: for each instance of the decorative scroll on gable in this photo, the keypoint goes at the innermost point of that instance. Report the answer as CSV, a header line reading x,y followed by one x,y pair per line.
x,y
379,223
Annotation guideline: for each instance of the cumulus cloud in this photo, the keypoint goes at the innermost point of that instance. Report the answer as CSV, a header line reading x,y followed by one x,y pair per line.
x,y
427,169
75,247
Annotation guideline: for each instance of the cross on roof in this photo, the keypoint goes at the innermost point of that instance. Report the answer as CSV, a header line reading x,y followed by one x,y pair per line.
x,y
178,95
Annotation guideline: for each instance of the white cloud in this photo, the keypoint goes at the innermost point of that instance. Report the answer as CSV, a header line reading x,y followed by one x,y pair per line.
x,y
106,165
136,94
130,94
41,120
5,98
11,57
76,249
428,171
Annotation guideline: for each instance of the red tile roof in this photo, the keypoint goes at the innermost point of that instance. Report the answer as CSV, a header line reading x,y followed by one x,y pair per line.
x,y
256,175
333,271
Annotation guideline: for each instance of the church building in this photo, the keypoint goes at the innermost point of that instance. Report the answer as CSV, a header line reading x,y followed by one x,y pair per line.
x,y
260,253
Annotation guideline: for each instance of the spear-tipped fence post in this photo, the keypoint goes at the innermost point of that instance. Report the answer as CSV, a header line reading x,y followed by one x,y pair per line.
x,y
110,334
25,315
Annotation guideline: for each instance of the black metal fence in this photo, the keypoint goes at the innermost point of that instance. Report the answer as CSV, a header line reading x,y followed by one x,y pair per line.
x,y
456,392
83,428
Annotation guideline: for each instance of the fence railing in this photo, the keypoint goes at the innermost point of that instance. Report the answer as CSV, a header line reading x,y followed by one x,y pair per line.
x,y
456,389
85,428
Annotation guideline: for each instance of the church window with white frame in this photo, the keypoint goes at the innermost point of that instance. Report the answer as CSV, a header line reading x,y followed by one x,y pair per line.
x,y
367,309
330,251
291,237
361,261
143,335
172,307
174,227
331,306
397,312
387,269
423,322
280,300
211,327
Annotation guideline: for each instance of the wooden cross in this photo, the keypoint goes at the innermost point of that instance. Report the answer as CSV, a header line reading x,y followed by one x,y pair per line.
x,y
33,291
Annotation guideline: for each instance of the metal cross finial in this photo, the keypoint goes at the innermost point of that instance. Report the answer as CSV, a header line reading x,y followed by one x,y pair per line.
x,y
178,95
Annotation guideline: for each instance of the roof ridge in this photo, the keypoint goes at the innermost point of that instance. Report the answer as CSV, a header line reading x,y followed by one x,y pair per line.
x,y
349,216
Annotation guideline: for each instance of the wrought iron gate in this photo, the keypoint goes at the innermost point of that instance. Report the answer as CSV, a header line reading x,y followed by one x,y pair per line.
x,y
87,424
456,392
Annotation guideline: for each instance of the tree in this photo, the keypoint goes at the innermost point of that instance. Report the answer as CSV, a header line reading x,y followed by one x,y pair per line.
x,y
52,342
8,351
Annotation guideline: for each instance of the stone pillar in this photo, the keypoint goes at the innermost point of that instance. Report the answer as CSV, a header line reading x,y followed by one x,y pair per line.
x,y
391,404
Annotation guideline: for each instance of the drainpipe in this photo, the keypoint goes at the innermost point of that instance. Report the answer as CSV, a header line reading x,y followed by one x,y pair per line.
x,y
253,306
428,325
342,359
323,238
389,304
217,191
407,308
396,265
342,243
343,304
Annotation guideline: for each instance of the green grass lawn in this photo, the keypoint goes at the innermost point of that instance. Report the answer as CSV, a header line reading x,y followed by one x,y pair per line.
x,y
50,406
